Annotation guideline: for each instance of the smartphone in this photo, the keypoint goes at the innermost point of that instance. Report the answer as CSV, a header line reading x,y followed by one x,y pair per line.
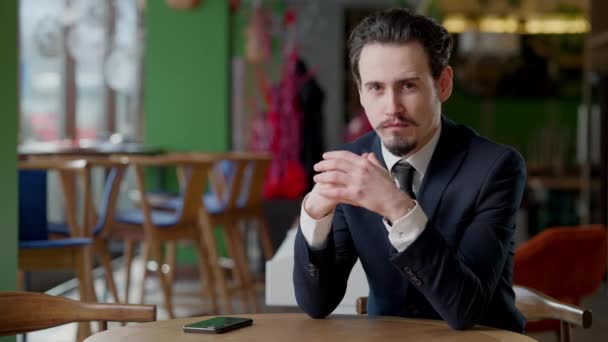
x,y
218,325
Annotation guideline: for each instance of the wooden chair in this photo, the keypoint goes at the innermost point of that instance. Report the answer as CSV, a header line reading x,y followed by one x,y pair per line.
x,y
155,228
535,306
31,311
540,262
36,251
100,222
237,198
249,203
236,182
221,209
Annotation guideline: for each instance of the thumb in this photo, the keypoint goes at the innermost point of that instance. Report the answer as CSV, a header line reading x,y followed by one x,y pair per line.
x,y
372,158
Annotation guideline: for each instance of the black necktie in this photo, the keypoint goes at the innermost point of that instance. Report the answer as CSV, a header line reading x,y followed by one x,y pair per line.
x,y
404,174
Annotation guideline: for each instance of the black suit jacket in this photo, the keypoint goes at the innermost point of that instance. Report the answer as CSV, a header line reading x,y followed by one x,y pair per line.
x,y
459,269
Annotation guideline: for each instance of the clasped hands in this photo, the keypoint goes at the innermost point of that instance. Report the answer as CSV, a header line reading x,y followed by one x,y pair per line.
x,y
345,177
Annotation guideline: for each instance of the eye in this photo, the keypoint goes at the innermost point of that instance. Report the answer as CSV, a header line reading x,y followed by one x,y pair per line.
x,y
409,86
375,87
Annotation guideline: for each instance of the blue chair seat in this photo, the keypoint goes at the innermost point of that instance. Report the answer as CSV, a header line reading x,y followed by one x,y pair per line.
x,y
173,203
212,203
160,219
61,243
60,228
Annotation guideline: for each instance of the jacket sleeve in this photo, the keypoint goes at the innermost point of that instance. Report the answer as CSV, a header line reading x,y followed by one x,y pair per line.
x,y
320,276
460,281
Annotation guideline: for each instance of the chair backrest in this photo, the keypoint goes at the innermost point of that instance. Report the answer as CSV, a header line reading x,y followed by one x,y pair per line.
x,y
194,179
115,169
580,252
195,182
236,178
32,205
32,195
220,177
31,311
251,188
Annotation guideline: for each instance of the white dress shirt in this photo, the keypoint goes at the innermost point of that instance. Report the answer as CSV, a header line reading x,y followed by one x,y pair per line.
x,y
405,230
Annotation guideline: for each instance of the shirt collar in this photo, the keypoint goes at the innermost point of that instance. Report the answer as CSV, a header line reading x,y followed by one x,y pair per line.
x,y
419,160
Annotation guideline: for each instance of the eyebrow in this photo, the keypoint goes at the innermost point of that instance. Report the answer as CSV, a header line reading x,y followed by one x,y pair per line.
x,y
401,80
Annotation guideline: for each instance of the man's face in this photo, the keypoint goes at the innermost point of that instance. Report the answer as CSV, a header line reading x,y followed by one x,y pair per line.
x,y
401,98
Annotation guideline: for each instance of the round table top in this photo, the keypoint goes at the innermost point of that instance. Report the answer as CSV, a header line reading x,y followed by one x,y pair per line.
x,y
299,327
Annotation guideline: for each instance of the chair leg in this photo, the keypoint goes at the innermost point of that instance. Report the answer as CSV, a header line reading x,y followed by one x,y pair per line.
x,y
264,232
238,273
565,334
246,276
163,278
145,254
218,274
84,263
85,273
129,245
171,256
102,249
21,280
206,276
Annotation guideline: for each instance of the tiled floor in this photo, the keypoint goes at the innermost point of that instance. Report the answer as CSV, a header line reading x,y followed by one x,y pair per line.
x,y
187,304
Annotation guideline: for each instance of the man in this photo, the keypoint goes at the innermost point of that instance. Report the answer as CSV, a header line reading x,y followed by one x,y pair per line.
x,y
434,235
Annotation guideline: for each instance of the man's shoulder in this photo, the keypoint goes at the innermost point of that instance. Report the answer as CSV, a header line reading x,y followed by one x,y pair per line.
x,y
486,154
482,146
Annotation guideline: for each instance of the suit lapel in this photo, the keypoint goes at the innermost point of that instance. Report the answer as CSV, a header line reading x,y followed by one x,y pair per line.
x,y
447,158
377,150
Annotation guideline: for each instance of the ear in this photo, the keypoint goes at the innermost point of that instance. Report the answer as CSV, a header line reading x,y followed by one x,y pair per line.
x,y
445,84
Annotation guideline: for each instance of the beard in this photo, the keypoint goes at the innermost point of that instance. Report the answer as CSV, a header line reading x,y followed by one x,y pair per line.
x,y
396,144
399,146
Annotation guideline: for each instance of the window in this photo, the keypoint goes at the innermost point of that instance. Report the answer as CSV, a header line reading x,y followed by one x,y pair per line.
x,y
80,64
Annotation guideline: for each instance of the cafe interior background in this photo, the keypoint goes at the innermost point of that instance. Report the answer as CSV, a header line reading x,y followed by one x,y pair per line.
x,y
272,75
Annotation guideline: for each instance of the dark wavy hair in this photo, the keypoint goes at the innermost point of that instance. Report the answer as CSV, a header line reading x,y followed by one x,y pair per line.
x,y
398,26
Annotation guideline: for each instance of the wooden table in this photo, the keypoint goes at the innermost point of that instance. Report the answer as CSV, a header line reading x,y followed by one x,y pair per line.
x,y
299,327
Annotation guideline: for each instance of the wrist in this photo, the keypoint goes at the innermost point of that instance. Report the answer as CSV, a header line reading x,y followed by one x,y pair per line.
x,y
400,208
313,210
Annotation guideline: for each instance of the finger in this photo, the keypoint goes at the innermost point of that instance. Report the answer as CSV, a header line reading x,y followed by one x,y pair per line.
x,y
339,195
342,165
347,155
372,158
331,177
333,192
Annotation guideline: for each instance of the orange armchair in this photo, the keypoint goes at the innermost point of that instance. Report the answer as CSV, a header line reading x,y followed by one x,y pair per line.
x,y
566,263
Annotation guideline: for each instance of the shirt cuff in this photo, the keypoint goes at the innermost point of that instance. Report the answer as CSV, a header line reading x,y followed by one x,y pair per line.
x,y
404,231
315,231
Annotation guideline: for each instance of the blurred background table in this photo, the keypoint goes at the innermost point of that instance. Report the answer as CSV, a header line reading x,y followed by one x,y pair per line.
x,y
93,148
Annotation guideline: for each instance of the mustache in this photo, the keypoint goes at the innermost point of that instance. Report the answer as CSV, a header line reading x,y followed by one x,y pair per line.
x,y
397,119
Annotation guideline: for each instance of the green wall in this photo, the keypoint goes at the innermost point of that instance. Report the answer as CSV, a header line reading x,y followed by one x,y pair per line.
x,y
187,82
8,147
186,77
517,122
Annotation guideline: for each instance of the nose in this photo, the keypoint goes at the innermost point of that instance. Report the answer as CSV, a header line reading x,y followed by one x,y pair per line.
x,y
393,104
